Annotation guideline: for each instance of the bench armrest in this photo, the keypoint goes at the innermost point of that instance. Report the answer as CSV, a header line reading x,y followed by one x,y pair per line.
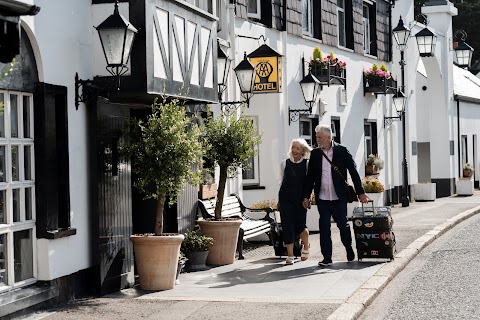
x,y
244,208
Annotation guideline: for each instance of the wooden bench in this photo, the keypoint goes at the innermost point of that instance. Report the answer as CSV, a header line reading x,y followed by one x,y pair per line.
x,y
234,208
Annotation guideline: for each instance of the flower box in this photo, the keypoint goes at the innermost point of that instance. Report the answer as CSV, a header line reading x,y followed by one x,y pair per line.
x,y
379,85
377,198
465,187
424,191
330,74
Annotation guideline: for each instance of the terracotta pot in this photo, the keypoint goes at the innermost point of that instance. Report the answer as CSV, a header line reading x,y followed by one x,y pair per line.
x,y
225,235
368,169
467,173
157,260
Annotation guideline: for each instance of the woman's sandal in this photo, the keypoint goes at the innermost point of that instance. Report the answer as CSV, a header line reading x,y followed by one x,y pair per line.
x,y
290,260
305,253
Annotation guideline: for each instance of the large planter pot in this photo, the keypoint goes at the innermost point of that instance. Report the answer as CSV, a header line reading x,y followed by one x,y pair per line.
x,y
157,260
425,191
377,198
225,235
196,260
465,187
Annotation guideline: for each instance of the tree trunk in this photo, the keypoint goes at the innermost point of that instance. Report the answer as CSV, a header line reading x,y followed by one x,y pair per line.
x,y
159,214
221,191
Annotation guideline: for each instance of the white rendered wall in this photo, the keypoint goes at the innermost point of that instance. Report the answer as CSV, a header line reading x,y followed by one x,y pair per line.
x,y
64,39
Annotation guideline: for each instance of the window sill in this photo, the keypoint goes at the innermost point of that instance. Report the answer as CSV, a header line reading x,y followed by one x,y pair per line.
x,y
58,233
311,38
253,187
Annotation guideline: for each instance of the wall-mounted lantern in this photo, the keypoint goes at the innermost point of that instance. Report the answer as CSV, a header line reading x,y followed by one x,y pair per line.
x,y
311,88
426,41
463,53
244,72
116,36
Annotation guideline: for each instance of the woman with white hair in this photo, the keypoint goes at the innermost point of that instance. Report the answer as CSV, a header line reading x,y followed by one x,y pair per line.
x,y
290,196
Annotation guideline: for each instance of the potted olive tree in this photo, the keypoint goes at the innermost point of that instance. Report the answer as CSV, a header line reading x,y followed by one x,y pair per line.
x,y
229,142
164,148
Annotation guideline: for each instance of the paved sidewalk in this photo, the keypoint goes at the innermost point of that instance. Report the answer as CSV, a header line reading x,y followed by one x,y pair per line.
x,y
263,287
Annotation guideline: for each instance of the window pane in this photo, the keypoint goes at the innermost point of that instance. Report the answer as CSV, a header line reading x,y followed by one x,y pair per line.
x,y
3,260
252,6
3,207
305,128
27,163
2,164
15,171
249,173
341,3
14,115
28,204
23,255
26,117
16,204
341,28
305,16
2,115
367,130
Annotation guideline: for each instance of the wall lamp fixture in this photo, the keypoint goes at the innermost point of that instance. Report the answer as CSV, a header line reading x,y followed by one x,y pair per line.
x,y
311,88
116,36
463,51
245,73
399,101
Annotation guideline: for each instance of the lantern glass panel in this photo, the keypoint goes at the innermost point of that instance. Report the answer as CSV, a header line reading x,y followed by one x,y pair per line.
x,y
113,44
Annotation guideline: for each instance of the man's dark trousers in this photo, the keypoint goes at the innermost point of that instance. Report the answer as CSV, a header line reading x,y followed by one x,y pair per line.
x,y
338,210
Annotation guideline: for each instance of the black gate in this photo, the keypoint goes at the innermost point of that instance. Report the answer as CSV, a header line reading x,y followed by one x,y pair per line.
x,y
112,220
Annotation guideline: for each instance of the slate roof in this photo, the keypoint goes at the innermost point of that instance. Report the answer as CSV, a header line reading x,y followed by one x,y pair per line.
x,y
466,85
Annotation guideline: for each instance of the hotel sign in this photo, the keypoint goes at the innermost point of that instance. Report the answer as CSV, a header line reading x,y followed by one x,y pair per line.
x,y
268,70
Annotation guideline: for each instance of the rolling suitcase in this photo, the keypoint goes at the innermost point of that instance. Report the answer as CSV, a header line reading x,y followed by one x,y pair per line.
x,y
374,237
276,238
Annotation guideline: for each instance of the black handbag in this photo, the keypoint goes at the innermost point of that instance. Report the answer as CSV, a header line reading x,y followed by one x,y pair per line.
x,y
350,190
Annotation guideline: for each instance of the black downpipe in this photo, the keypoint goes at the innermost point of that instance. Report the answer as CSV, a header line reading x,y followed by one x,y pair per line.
x,y
458,135
284,18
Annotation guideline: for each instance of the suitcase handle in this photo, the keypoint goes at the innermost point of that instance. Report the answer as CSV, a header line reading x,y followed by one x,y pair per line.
x,y
373,208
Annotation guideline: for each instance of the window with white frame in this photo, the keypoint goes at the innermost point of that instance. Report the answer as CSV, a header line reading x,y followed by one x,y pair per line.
x,y
366,29
307,17
369,27
206,5
250,175
17,190
370,132
341,29
306,130
253,9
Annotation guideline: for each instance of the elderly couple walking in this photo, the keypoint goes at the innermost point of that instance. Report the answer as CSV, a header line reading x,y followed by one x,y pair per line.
x,y
307,169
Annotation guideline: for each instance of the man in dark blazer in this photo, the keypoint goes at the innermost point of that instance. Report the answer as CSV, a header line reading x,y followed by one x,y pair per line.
x,y
329,190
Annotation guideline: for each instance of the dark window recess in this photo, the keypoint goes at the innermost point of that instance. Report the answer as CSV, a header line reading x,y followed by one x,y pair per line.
x,y
317,19
349,23
52,190
373,28
452,147
336,129
265,13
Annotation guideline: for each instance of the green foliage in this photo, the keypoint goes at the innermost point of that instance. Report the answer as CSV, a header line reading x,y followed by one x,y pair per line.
x,y
7,69
383,67
230,142
165,146
317,54
196,241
